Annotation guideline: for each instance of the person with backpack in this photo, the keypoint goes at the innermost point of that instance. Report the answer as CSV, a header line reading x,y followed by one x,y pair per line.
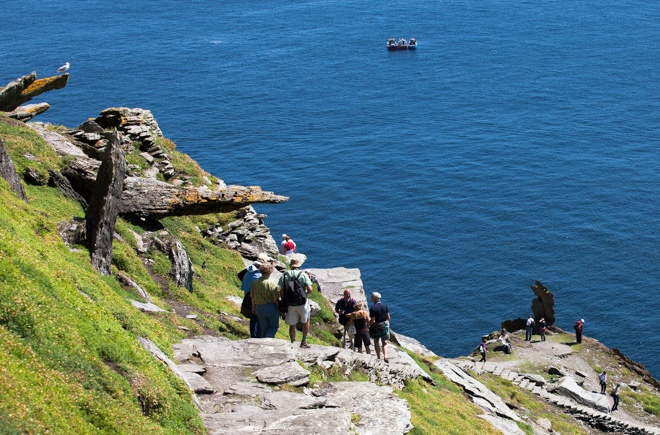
x,y
579,324
543,326
529,328
615,396
294,286
265,297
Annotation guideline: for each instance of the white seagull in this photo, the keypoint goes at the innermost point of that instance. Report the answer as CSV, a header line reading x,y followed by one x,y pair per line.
x,y
63,68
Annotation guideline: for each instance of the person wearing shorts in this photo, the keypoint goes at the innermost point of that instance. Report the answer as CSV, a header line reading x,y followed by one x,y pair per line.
x,y
297,313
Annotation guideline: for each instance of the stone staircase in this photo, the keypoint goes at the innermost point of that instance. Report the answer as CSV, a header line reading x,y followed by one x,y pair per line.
x,y
537,385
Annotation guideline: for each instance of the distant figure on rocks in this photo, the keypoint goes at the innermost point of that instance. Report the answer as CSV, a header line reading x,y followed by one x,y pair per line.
x,y
265,296
529,328
543,325
287,246
615,396
579,325
298,311
482,349
506,341
360,318
379,323
602,378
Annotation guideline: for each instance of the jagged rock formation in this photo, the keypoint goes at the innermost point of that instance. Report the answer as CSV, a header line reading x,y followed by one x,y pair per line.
x,y
8,172
145,197
101,215
25,88
247,234
542,307
544,304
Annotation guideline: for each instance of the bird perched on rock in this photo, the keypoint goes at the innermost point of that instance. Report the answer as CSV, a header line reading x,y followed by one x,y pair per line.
x,y
63,68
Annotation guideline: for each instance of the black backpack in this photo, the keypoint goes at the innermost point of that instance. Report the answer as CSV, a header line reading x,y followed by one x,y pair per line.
x,y
294,293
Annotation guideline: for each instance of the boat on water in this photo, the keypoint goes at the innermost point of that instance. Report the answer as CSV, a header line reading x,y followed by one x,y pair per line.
x,y
401,44
391,44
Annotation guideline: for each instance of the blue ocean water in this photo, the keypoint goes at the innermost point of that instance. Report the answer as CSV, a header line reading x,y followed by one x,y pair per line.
x,y
518,143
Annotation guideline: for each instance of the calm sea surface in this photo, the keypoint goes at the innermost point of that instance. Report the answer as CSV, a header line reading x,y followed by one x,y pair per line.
x,y
518,143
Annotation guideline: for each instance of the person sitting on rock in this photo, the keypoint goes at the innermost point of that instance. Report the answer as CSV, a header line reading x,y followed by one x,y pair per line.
x,y
506,341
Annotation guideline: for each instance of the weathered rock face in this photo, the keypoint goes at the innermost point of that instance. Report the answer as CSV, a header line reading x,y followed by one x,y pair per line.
x,y
247,234
102,211
29,111
8,172
569,388
25,88
182,269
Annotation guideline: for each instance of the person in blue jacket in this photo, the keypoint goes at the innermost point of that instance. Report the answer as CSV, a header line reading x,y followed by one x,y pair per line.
x,y
249,275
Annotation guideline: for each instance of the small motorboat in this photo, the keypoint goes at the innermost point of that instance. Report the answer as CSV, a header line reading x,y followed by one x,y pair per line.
x,y
391,44
412,44
402,44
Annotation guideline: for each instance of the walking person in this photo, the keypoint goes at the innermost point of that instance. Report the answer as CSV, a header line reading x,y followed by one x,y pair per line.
x,y
529,328
542,327
615,396
360,318
482,349
602,378
298,311
579,325
379,323
265,297
247,277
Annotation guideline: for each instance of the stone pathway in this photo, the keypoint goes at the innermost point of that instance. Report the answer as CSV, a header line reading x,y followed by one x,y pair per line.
x,y
246,386
591,408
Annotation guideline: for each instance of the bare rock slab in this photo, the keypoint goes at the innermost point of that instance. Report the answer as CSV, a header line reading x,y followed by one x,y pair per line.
x,y
288,373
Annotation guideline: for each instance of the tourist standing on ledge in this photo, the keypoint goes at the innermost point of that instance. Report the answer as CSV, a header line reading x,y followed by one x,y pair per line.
x,y
265,296
344,306
542,327
579,324
379,325
603,382
482,349
287,246
529,328
360,318
298,312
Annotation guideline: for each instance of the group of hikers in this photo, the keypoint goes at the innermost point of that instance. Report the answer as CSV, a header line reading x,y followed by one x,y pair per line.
x,y
578,326
265,301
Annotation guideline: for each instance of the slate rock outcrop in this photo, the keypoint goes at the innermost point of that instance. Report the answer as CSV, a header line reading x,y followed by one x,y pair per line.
x,y
8,172
23,89
101,215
